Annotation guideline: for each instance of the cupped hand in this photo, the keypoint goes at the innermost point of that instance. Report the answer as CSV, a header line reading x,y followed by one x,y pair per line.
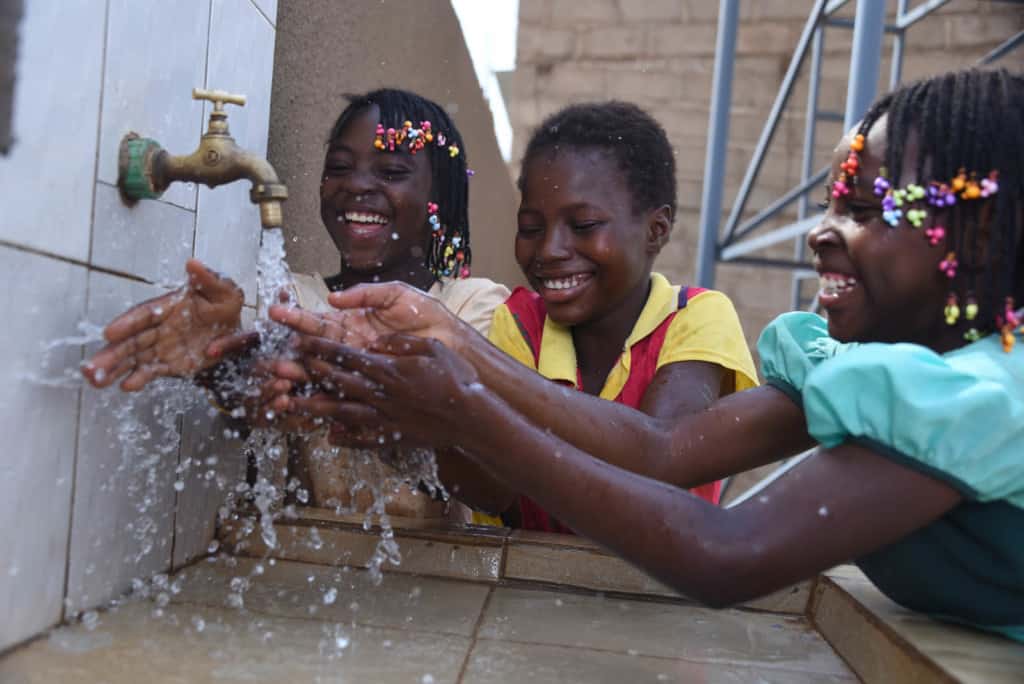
x,y
409,386
168,335
366,313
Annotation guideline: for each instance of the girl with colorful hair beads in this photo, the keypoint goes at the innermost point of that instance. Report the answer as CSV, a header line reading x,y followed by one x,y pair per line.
x,y
912,391
394,200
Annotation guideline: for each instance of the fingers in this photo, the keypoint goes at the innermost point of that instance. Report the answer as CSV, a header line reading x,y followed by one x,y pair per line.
x,y
370,296
345,384
209,284
306,322
142,375
109,363
400,344
290,370
228,345
140,317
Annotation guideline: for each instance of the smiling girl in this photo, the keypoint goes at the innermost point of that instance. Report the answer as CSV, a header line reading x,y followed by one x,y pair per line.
x,y
394,198
912,392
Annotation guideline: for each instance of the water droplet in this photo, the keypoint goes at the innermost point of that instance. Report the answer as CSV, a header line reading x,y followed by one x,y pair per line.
x,y
823,511
427,679
394,236
213,546
179,486
330,596
90,619
198,623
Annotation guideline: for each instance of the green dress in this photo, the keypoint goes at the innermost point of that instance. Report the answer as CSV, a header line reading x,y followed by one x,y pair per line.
x,y
958,417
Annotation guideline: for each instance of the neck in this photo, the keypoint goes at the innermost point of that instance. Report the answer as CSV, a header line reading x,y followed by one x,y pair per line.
x,y
416,275
599,342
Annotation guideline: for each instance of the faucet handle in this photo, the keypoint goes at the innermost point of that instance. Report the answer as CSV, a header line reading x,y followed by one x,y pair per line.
x,y
219,98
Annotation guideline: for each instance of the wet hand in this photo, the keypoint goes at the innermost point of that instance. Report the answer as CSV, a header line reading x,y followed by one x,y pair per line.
x,y
168,335
409,387
369,312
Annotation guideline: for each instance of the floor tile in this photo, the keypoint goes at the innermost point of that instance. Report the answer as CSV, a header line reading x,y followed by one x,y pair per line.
x,y
496,662
290,589
657,629
129,645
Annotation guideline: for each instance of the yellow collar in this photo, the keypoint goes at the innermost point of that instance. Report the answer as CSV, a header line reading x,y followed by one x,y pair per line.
x,y
558,354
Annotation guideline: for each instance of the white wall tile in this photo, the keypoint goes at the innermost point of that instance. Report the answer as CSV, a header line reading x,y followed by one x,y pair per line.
x,y
150,240
123,512
48,178
156,55
43,300
216,464
241,60
206,482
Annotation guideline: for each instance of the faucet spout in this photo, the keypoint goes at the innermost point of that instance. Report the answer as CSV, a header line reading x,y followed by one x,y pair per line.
x,y
147,170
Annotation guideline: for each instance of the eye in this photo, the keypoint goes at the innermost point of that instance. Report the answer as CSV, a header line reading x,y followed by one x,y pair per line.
x,y
335,168
394,172
530,229
584,226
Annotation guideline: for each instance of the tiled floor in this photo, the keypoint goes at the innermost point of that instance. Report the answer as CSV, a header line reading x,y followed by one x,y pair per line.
x,y
308,623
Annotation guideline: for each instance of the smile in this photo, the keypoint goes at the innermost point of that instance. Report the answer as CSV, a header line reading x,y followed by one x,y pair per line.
x,y
566,283
835,285
363,217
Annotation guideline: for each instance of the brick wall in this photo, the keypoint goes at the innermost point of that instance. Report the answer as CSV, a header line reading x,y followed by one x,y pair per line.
x,y
660,54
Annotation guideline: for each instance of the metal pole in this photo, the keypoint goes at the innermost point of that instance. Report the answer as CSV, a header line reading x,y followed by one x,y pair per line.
x,y
807,162
865,59
718,137
896,68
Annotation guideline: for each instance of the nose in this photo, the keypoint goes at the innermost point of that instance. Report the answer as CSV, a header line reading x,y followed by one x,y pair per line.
x,y
556,245
824,234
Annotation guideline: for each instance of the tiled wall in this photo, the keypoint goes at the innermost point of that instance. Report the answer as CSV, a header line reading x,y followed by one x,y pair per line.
x,y
89,71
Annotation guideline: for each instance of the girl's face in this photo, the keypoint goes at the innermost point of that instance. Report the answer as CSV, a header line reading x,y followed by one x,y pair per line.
x,y
579,243
880,283
374,203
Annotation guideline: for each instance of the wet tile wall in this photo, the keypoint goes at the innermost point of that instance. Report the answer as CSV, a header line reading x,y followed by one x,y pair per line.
x,y
76,529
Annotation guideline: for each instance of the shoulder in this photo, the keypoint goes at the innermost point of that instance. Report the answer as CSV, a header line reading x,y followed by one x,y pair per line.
x,y
474,300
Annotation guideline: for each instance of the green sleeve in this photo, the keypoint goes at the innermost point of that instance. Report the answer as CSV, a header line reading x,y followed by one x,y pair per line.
x,y
791,347
947,417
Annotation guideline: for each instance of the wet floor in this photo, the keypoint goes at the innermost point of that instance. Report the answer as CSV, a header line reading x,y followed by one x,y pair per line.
x,y
310,623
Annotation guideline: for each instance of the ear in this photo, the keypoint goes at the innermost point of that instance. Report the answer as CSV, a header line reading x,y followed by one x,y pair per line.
x,y
659,227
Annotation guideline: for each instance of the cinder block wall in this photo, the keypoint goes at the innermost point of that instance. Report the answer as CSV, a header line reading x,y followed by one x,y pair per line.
x,y
660,54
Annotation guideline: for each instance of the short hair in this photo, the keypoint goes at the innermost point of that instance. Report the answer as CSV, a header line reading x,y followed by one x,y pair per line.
x,y
970,120
449,176
628,134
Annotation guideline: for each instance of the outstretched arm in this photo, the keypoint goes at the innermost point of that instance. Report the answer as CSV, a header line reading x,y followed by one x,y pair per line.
x,y
836,506
647,442
168,335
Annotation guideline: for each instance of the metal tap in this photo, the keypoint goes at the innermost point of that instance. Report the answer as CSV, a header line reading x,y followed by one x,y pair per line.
x,y
145,169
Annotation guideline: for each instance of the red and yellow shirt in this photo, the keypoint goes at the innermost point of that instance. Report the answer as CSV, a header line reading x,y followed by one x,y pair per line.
x,y
676,324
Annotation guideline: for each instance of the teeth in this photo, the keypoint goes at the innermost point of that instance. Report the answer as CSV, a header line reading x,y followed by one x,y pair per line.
x,y
836,284
360,217
563,283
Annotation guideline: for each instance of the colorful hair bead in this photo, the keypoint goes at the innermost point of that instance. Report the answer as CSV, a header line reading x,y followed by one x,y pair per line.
x,y
959,181
453,151
990,185
951,310
940,195
857,144
971,310
972,190
948,265
839,187
935,234
915,192
890,214
916,217
972,335
379,140
882,185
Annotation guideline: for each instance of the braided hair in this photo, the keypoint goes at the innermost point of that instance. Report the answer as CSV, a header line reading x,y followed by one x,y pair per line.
x,y
969,120
632,137
449,175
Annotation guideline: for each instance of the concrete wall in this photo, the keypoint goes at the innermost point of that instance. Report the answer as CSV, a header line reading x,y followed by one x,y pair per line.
x,y
326,48
76,526
660,54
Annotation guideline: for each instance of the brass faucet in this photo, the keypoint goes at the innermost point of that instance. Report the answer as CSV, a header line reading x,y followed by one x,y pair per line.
x,y
145,169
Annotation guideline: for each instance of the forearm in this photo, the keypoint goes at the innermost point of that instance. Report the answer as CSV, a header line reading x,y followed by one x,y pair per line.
x,y
658,527
471,483
736,433
608,430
